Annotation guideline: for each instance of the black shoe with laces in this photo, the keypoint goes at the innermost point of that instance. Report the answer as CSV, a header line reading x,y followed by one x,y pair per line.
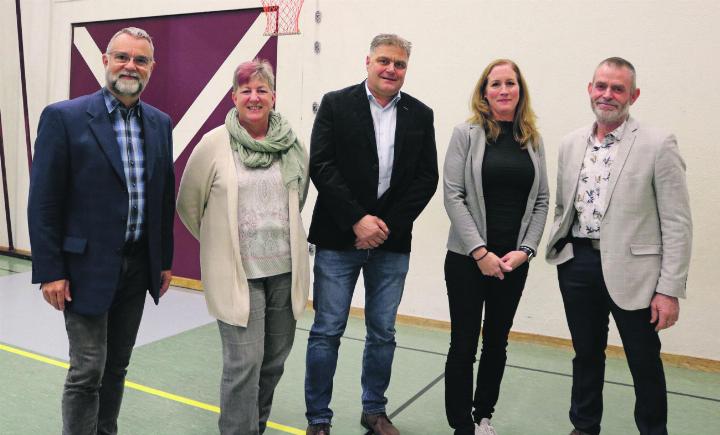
x,y
318,429
378,424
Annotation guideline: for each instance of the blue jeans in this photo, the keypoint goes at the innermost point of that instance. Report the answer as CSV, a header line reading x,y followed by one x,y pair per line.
x,y
336,273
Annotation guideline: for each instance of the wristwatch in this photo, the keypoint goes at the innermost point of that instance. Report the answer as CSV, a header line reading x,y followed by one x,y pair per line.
x,y
529,251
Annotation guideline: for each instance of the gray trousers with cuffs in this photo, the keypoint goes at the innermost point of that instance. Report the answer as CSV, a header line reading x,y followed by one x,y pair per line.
x,y
254,356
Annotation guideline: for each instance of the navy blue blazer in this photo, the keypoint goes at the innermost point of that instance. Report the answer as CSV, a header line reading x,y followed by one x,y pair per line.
x,y
78,204
344,168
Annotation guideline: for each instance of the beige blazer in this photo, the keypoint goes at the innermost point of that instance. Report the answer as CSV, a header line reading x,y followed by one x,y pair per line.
x,y
207,204
646,233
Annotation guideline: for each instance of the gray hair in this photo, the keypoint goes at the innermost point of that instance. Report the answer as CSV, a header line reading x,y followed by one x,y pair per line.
x,y
619,62
135,32
258,68
391,39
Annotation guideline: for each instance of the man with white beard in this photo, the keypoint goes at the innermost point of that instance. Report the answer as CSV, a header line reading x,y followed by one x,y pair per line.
x,y
100,216
621,242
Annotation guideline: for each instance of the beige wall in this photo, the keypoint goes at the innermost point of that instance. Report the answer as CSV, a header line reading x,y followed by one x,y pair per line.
x,y
673,44
16,163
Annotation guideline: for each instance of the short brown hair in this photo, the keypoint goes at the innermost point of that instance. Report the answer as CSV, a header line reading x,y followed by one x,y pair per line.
x,y
619,62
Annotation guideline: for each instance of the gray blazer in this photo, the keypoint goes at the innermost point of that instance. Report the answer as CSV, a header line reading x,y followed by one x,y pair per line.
x,y
646,231
463,193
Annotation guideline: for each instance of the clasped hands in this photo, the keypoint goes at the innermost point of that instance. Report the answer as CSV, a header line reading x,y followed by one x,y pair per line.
x,y
370,232
492,265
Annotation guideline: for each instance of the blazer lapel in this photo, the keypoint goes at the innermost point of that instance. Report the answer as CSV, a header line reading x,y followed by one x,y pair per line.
x,y
152,140
102,128
572,176
401,127
362,113
623,151
534,160
476,153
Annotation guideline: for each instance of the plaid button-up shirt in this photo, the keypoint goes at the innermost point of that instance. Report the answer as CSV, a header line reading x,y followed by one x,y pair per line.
x,y
127,124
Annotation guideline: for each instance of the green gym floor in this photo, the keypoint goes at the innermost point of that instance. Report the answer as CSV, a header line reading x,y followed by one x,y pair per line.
x,y
173,381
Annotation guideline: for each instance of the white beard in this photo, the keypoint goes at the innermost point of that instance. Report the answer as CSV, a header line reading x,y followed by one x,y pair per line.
x,y
611,116
129,88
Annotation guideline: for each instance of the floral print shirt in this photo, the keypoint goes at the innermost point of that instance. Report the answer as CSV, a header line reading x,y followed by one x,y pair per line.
x,y
590,200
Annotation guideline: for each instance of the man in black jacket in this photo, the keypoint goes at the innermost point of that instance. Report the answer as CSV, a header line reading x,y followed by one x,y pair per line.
x,y
374,163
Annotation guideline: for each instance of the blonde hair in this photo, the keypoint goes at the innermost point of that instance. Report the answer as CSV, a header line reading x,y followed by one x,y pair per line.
x,y
524,129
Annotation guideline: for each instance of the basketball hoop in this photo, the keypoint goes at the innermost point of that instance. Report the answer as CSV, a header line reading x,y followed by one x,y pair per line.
x,y
282,17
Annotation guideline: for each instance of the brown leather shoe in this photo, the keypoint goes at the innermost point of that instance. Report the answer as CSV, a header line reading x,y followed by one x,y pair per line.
x,y
378,424
318,429
578,432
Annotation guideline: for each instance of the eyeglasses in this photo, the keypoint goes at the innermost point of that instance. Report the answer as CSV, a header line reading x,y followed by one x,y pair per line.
x,y
123,58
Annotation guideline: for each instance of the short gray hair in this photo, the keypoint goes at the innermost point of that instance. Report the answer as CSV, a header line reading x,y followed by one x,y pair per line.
x,y
619,62
391,39
135,32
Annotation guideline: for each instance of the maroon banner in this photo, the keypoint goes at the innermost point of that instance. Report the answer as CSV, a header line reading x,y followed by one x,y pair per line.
x,y
189,49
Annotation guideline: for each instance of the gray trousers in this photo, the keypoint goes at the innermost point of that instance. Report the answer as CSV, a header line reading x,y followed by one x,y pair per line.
x,y
254,357
100,349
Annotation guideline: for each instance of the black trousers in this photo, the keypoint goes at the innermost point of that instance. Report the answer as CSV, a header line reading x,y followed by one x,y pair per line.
x,y
469,292
587,307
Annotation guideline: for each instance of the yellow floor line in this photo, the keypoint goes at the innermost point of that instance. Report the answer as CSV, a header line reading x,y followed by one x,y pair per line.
x,y
146,389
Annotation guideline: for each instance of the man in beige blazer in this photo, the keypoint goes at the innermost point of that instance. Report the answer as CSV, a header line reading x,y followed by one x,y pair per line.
x,y
621,241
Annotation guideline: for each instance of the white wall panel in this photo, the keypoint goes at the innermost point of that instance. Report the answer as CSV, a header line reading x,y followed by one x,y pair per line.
x,y
673,44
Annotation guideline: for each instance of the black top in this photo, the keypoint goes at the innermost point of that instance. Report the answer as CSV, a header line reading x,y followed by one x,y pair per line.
x,y
507,177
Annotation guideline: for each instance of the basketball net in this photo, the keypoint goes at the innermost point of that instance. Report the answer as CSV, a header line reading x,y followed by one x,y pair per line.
x,y
282,17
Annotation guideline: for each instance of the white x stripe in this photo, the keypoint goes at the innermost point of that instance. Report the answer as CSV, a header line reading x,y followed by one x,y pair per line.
x,y
208,99
90,52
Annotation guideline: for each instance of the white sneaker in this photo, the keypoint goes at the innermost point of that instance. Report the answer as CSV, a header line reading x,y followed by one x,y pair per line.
x,y
485,428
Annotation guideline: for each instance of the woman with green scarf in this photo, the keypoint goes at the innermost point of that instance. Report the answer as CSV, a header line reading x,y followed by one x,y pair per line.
x,y
241,195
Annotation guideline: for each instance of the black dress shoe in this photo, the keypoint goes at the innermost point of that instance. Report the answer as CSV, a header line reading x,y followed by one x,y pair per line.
x,y
378,424
318,429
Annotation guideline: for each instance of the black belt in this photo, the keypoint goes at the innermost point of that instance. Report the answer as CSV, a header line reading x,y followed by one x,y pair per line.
x,y
134,247
593,243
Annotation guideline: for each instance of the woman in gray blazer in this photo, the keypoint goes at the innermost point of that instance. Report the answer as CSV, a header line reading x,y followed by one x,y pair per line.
x,y
496,195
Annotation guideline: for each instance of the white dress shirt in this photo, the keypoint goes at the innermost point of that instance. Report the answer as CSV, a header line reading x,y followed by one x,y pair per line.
x,y
384,122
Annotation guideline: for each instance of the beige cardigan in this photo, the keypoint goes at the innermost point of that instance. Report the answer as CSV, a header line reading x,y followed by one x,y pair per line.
x,y
207,204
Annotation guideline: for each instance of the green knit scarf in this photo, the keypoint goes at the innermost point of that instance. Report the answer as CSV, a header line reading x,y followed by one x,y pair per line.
x,y
280,141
